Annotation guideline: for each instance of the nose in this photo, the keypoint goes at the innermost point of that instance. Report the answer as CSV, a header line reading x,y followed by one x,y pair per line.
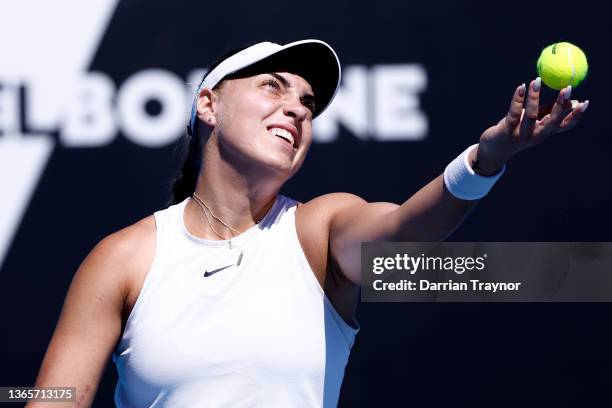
x,y
295,109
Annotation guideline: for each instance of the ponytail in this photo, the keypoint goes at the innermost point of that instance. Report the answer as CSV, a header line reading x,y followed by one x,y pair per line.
x,y
185,180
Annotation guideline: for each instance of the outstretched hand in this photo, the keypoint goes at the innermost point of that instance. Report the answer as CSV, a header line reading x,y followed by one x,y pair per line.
x,y
526,124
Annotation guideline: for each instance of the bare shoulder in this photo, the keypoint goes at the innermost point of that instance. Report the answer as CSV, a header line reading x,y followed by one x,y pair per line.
x,y
322,209
130,252
117,265
125,248
328,204
131,237
313,217
131,243
313,220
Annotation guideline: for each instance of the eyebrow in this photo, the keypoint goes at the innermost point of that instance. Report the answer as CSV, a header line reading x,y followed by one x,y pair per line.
x,y
308,96
281,79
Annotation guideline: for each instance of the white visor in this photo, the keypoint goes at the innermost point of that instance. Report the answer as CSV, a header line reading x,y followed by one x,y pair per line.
x,y
314,60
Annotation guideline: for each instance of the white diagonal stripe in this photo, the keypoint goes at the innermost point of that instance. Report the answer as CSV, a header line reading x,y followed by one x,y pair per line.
x,y
49,44
22,161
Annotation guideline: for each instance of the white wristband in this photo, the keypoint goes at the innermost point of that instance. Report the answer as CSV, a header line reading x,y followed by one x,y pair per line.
x,y
463,182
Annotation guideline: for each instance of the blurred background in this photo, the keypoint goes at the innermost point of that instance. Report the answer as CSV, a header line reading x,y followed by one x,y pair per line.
x,y
94,96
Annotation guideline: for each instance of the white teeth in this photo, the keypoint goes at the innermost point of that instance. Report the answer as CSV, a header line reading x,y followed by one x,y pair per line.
x,y
282,133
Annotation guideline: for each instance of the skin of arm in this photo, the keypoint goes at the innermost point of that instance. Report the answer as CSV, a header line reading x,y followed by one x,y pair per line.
x,y
433,212
90,322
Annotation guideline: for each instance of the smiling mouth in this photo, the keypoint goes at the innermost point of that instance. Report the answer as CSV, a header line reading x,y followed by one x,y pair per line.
x,y
283,134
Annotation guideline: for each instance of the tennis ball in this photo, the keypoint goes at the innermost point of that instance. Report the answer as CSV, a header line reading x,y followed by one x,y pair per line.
x,y
562,64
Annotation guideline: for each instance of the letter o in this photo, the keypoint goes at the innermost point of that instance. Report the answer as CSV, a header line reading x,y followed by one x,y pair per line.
x,y
140,127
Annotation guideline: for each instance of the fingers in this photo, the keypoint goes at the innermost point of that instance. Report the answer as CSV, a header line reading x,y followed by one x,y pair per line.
x,y
528,123
561,107
574,103
513,118
531,110
545,110
573,117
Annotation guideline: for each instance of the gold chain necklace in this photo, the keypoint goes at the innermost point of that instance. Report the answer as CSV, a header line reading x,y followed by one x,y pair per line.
x,y
204,207
233,231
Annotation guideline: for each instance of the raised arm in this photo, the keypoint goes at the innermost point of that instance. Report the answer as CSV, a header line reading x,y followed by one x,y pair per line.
x,y
90,323
434,212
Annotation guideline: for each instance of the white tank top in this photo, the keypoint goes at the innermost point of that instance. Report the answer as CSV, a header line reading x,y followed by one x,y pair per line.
x,y
261,334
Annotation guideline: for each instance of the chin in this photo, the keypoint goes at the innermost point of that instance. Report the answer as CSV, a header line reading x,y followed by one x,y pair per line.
x,y
282,165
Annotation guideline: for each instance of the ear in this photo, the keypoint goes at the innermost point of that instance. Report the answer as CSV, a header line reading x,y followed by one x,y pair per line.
x,y
206,107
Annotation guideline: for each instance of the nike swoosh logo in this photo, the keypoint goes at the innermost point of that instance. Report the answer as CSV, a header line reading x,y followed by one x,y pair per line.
x,y
210,273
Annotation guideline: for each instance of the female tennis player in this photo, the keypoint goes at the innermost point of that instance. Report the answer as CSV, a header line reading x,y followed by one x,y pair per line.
x,y
234,295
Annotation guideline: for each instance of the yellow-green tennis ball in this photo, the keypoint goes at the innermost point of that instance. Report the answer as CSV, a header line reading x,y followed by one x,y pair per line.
x,y
562,64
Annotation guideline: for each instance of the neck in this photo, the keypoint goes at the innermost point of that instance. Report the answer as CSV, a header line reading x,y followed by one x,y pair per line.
x,y
235,198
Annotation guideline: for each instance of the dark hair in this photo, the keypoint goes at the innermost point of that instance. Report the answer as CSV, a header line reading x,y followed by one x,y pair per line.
x,y
191,147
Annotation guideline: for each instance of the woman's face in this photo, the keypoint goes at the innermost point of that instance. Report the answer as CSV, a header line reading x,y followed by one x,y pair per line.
x,y
265,121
